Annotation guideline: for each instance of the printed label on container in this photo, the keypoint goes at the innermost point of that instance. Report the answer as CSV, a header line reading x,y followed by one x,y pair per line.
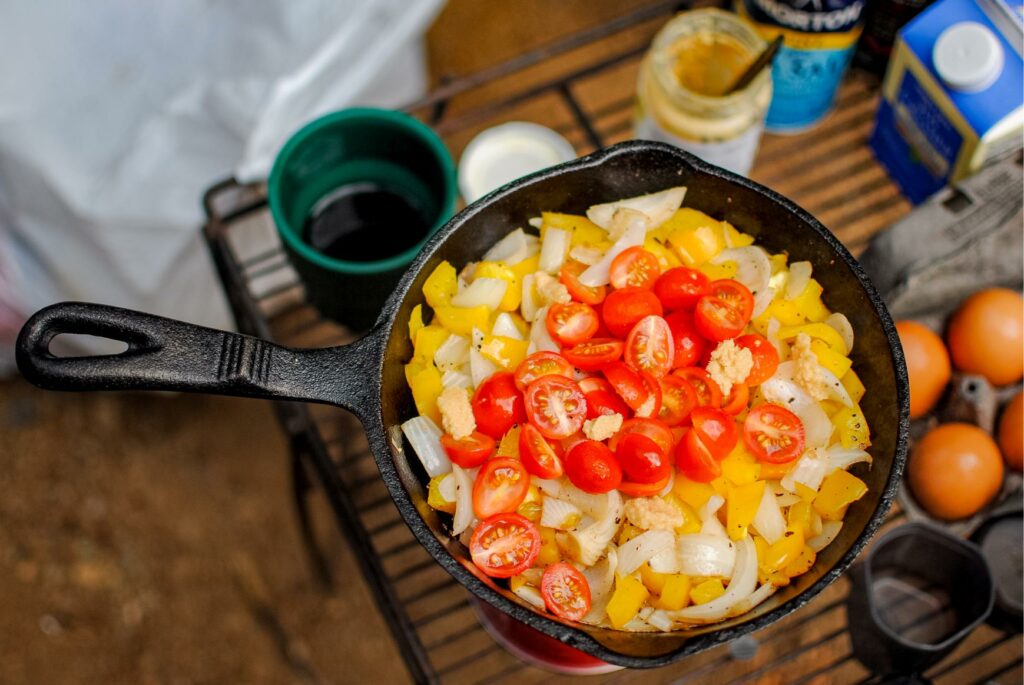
x,y
735,154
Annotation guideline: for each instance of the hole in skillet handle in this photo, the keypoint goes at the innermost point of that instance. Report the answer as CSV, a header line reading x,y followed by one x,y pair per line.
x,y
84,345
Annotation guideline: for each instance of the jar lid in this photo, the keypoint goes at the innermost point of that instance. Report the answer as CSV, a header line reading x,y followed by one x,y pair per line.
x,y
968,57
506,152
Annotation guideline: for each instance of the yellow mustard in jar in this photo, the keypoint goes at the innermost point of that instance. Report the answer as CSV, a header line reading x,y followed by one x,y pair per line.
x,y
693,62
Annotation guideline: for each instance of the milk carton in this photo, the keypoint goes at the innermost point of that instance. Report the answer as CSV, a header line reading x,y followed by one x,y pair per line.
x,y
952,96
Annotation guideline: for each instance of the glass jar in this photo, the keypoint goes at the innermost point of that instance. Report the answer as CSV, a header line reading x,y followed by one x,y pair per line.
x,y
694,59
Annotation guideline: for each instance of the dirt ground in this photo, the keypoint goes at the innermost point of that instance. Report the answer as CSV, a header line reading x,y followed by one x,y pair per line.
x,y
151,539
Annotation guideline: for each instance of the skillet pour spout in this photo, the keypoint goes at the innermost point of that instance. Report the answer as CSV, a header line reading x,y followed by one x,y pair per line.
x,y
367,378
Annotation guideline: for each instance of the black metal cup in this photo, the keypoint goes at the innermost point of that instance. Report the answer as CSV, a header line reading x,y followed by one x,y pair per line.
x,y
918,594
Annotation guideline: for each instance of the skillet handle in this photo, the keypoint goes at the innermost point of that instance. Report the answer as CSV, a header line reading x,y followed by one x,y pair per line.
x,y
165,354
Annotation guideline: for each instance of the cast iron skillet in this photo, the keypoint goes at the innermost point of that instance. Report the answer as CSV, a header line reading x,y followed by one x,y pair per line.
x,y
366,377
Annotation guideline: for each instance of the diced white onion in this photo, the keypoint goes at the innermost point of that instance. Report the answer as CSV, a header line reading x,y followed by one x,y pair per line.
x,y
600,274
463,500
586,255
551,487
665,561
668,486
536,221
446,487
841,458
531,302
706,555
636,551
836,390
592,540
559,514
754,599
799,277
553,250
601,579
843,327
453,353
481,368
425,438
530,595
483,291
511,249
780,389
809,470
660,619
742,585
505,326
657,207
786,499
753,269
829,531
768,521
710,523
772,334
540,337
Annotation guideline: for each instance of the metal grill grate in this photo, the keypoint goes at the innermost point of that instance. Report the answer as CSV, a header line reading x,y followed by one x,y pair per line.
x,y
587,96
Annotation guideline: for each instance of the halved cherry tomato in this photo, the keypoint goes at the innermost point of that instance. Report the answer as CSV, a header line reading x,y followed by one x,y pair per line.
x,y
592,467
651,428
774,434
708,392
766,357
642,460
681,287
623,308
650,347
498,405
541,364
500,486
468,452
724,311
601,399
537,454
571,323
678,398
716,429
695,461
570,277
566,591
627,383
592,383
651,406
635,267
690,345
566,444
556,406
594,353
504,545
737,399
643,489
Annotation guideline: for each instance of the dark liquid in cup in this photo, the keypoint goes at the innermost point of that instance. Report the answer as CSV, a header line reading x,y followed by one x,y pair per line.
x,y
365,222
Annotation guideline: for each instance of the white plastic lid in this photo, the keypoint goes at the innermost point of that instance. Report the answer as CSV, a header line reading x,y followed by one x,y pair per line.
x,y
504,153
968,57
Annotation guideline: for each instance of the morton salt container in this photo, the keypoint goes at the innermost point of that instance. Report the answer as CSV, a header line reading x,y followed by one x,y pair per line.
x,y
819,39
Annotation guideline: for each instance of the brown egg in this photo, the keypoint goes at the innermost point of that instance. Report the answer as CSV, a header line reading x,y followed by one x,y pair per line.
x,y
986,335
1011,433
927,365
955,470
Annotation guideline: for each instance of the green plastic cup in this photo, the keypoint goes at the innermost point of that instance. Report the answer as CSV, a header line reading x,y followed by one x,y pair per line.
x,y
360,145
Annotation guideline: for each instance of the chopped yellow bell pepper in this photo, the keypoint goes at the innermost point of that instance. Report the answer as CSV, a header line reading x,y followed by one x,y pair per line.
x,y
784,311
706,591
425,383
691,521
428,339
799,517
437,500
838,490
630,594
734,237
627,533
776,471
527,266
778,262
514,291
676,593
721,271
720,486
821,331
741,505
509,445
851,381
531,505
549,553
691,492
802,564
831,406
809,303
517,581
697,245
507,353
654,581
463,320
441,285
852,427
667,259
838,364
783,552
805,493
584,231
740,467
415,321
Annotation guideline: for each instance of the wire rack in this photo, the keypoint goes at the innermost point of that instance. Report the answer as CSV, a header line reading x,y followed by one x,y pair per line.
x,y
582,86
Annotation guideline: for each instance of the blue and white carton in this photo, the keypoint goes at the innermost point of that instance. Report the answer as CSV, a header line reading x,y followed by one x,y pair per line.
x,y
953,95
